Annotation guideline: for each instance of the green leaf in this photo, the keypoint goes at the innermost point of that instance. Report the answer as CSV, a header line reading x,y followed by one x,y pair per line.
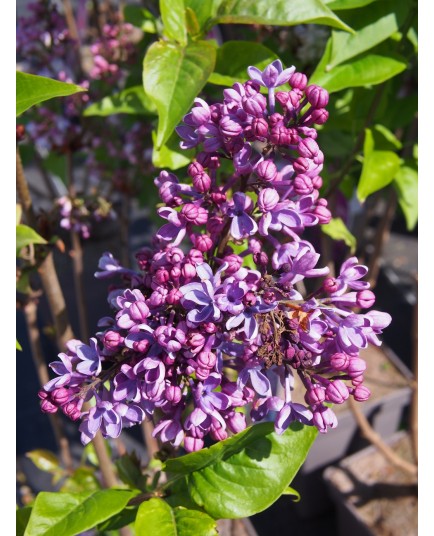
x,y
170,155
32,89
340,5
68,514
82,479
18,345
204,11
384,139
172,77
337,230
293,492
122,519
130,472
368,70
406,185
156,518
277,13
372,27
379,168
234,57
23,515
26,236
173,16
246,473
44,460
141,18
129,101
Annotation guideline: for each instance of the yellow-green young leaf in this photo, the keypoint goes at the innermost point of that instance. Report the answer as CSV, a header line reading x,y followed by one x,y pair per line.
x,y
278,13
233,58
32,89
69,514
25,236
82,479
170,155
204,11
44,460
341,5
384,139
293,492
129,101
242,475
173,76
18,345
141,18
337,230
173,17
156,518
406,185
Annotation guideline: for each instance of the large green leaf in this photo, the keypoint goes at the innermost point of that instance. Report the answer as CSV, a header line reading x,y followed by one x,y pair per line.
x,y
204,11
23,515
68,514
173,16
379,168
278,13
156,518
337,230
246,473
170,155
173,76
234,57
406,185
341,5
26,236
367,70
372,27
129,101
32,89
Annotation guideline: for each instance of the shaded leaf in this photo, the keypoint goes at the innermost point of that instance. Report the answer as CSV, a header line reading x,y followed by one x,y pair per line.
x,y
22,518
204,11
233,58
82,479
170,155
172,78
337,230
384,139
129,101
44,460
173,17
278,13
406,185
69,514
141,18
130,472
25,236
244,474
32,89
122,519
339,5
156,518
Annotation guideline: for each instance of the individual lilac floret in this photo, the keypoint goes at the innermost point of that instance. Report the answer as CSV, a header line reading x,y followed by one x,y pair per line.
x,y
272,76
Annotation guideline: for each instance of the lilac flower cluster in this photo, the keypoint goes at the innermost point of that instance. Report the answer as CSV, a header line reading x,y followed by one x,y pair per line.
x,y
213,330
79,213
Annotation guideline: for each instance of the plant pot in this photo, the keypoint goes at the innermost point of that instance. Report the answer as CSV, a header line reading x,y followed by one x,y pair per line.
x,y
388,379
374,498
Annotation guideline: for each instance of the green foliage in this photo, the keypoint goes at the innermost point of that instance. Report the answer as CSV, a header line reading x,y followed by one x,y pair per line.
x,y
173,17
173,76
71,513
156,518
22,518
170,155
244,474
337,230
129,101
32,89
141,18
406,185
26,236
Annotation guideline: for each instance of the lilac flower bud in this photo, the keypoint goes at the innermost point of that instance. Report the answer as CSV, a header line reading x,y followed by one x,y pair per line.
x,y
234,261
301,165
317,96
188,271
209,327
158,297
260,258
48,407
337,392
356,367
202,182
60,396
322,212
229,127
266,170
318,116
361,393
317,182
174,255
251,87
236,422
255,105
139,311
194,214
282,97
218,433
112,339
324,417
174,296
259,128
72,409
218,197
195,256
308,148
315,395
168,191
330,285
280,135
173,394
303,185
202,373
195,168
269,296
365,298
203,243
206,359
191,444
162,276
339,361
358,380
175,273
268,198
43,394
255,245
275,119
298,80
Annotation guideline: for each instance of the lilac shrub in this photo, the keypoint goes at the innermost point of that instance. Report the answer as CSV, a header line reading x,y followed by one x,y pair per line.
x,y
215,328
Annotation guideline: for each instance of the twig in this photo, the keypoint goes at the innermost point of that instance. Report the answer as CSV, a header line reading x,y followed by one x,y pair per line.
x,y
151,443
369,433
124,228
414,397
105,463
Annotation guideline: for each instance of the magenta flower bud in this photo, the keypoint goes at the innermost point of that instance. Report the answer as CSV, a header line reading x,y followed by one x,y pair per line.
x,y
236,422
195,168
195,256
218,433
203,243
139,311
298,81
202,182
266,170
356,367
317,182
268,198
365,298
282,97
290,353
229,127
249,299
194,214
301,165
358,381
174,255
200,115
260,258
72,409
158,297
318,116
191,444
255,105
43,394
206,360
173,394
48,407
330,285
361,393
303,185
112,339
162,276
209,327
275,119
174,296
337,392
202,373
168,191
308,148
317,96
251,87
280,135
175,273
218,197
316,395
235,262
188,271
60,396
323,418
255,245
339,361
322,213
269,296
259,128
